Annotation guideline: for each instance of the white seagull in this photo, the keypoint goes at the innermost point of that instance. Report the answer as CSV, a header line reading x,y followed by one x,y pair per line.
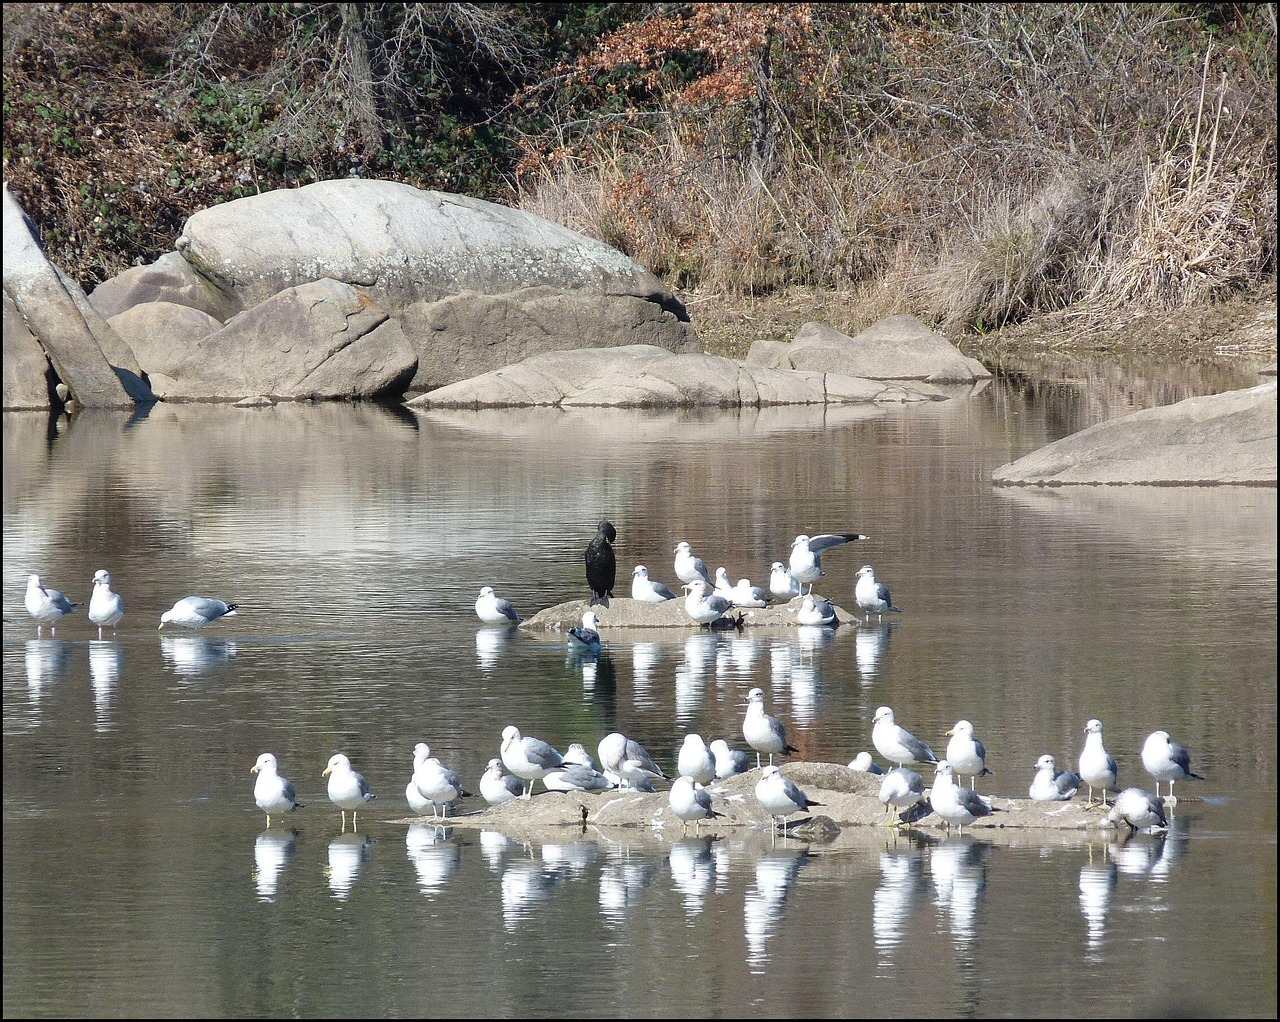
x,y
492,609
966,754
438,784
704,606
106,608
954,804
1051,784
806,554
1097,766
763,732
1140,809
197,611
780,796
901,789
782,583
896,743
689,800
872,596
1166,760
273,793
862,763
627,760
816,611
645,590
576,777
347,788
47,606
497,787
729,762
695,760
586,635
690,568
530,759
419,803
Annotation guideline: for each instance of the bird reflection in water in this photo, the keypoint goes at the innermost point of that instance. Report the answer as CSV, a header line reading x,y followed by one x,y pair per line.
x,y
776,872
347,854
190,656
273,850
693,869
434,854
106,661
47,664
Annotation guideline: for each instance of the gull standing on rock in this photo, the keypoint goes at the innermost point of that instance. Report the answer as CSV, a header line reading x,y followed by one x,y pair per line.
x,y
1051,784
271,792
816,610
966,754
602,565
497,787
438,784
1097,766
347,788
690,568
695,760
806,554
1166,760
492,609
782,583
873,597
862,763
763,732
530,759
106,608
47,606
689,800
780,796
896,743
704,606
626,759
901,789
954,804
729,762
645,590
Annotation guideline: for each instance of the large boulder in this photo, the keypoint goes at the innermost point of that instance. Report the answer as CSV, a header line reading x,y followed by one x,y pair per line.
x,y
169,279
897,348
1220,439
85,352
318,340
26,367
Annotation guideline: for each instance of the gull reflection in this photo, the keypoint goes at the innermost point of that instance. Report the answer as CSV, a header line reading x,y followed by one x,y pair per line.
x,y
776,872
490,645
644,658
870,644
570,860
434,855
347,853
692,672
805,679
47,664
622,880
1097,882
959,870
524,885
192,655
901,882
693,868
495,845
106,660
1173,849
1136,858
272,851
736,656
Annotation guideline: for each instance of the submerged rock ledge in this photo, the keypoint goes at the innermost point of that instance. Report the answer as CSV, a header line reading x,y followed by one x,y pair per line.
x,y
624,612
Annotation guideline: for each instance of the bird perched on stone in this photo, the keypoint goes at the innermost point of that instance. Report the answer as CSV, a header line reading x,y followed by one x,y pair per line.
x,y
689,800
806,554
729,762
1097,766
689,567
781,796
966,754
646,590
1051,784
953,803
696,760
1140,809
602,566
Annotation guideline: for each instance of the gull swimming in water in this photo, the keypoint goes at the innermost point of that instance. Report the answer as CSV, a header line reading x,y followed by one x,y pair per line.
x,y
872,596
689,800
492,609
695,760
966,754
645,590
763,732
896,743
954,804
704,606
1097,766
197,611
782,583
781,796
271,792
862,763
806,554
586,635
729,762
106,608
1051,784
816,610
602,565
530,759
1139,809
47,606
347,788
1166,760
497,787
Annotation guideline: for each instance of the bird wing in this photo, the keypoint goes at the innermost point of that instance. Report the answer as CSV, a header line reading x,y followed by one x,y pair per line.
x,y
829,539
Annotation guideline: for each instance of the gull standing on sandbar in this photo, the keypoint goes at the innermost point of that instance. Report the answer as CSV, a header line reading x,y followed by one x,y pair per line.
x,y
602,566
896,743
530,759
417,801
1097,766
873,597
704,606
901,789
1167,760
763,732
645,590
966,754
806,554
729,762
498,788
954,804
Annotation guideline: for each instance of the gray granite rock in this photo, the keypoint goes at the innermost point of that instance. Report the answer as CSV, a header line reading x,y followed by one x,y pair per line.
x,y
169,279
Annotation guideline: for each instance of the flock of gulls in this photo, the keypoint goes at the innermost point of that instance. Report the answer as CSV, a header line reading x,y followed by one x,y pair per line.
x,y
625,764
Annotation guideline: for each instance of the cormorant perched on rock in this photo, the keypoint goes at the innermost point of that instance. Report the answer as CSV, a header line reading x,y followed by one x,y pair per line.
x,y
602,568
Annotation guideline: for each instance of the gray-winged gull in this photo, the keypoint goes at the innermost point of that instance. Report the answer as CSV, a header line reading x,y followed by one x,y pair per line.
x,y
197,611
47,606
689,800
347,788
806,554
1139,809
965,753
761,731
873,597
895,743
646,590
954,804
492,609
271,792
781,796
1051,784
695,760
689,567
106,607
530,759
1097,766
1166,760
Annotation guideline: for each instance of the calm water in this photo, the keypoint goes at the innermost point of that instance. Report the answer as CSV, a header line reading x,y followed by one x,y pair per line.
x,y
138,879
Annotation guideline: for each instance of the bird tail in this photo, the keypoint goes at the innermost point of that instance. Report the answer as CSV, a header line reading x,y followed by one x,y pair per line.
x,y
789,749
1194,777
893,610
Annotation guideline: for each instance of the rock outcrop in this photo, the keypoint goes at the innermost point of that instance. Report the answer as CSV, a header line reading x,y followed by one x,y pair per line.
x,y
1221,439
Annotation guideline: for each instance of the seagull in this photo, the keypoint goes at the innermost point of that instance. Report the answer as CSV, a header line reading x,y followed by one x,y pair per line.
x,y
954,804
577,753
197,611
806,553
528,758
816,611
645,590
897,744
742,593
696,761
1051,784
618,751
872,596
780,796
1139,809
1097,766
273,793
417,801
689,800
47,606
439,785
106,608
1166,760
576,777
347,788
863,764
763,732
729,762
703,606
497,787
688,567
901,789
586,635
602,566
966,754
492,609
782,583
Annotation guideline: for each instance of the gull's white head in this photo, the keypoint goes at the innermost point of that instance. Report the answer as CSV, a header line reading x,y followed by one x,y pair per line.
x,y
336,762
883,713
102,576
1046,762
265,762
